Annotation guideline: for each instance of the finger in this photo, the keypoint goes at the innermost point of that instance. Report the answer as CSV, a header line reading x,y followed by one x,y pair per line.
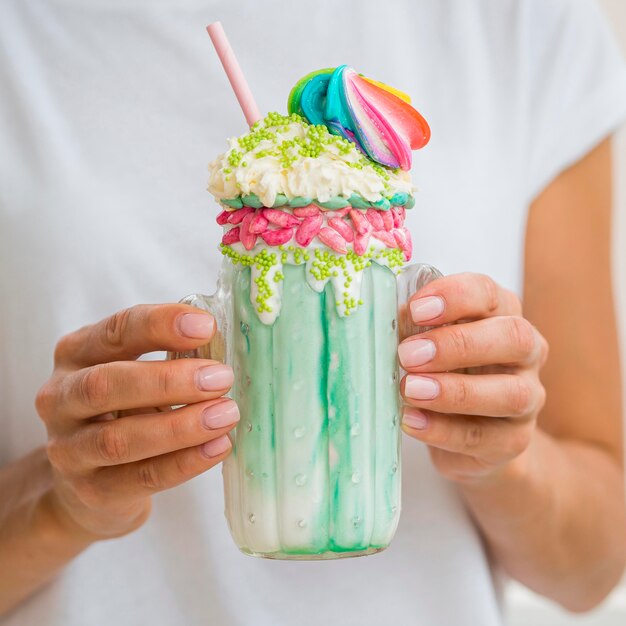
x,y
462,297
493,441
144,478
134,384
496,340
138,437
494,395
136,331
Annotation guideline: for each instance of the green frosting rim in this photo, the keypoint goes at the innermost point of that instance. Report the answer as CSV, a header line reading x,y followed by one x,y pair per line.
x,y
355,201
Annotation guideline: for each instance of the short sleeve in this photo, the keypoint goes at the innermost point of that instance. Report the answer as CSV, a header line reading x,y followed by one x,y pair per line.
x,y
577,86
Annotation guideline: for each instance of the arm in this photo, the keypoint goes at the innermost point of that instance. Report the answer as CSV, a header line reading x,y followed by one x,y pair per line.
x,y
108,448
561,530
544,482
35,542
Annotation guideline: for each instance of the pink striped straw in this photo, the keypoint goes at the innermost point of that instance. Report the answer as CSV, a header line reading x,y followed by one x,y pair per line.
x,y
233,71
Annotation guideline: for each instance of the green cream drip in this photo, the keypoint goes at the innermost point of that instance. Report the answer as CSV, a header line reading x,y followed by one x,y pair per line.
x,y
343,271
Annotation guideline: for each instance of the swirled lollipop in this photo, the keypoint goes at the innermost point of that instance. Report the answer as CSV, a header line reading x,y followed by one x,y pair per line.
x,y
377,118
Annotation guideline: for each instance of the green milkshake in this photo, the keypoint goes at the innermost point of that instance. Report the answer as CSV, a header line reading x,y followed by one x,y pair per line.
x,y
314,239
315,464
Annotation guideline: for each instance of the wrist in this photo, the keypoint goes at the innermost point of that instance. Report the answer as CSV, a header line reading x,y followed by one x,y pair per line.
x,y
57,526
520,491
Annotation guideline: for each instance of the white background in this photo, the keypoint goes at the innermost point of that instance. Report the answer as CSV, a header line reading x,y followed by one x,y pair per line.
x,y
524,608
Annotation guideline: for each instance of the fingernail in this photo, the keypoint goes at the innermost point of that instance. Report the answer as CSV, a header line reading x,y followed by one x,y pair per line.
x,y
421,388
220,414
214,377
196,325
215,447
416,352
424,309
414,419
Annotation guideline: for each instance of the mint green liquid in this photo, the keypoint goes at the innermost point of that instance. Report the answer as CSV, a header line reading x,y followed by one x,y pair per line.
x,y
315,467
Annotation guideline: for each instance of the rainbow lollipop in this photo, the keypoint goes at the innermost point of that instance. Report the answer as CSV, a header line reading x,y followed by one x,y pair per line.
x,y
377,118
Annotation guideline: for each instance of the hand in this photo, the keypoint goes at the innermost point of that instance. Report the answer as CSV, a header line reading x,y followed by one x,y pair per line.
x,y
473,386
110,445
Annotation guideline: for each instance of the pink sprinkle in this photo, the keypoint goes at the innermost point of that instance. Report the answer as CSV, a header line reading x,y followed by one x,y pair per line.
x,y
306,211
409,244
403,238
281,218
333,240
397,217
309,229
361,224
337,213
360,243
386,237
259,223
236,217
231,236
387,219
342,228
222,218
248,239
375,219
277,237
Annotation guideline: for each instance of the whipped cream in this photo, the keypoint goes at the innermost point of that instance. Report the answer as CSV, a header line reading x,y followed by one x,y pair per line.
x,y
286,155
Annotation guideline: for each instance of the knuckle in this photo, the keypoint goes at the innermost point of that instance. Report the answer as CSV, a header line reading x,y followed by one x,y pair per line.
x,y
515,303
56,452
46,401
458,286
518,442
176,428
541,396
89,493
167,379
522,335
153,322
65,346
544,350
490,292
93,387
149,477
184,468
520,397
116,327
111,444
473,437
461,392
461,341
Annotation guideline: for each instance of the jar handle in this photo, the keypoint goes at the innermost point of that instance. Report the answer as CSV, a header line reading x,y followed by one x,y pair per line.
x,y
216,348
410,280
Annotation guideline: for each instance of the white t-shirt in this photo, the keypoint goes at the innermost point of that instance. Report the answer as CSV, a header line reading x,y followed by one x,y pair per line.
x,y
109,113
